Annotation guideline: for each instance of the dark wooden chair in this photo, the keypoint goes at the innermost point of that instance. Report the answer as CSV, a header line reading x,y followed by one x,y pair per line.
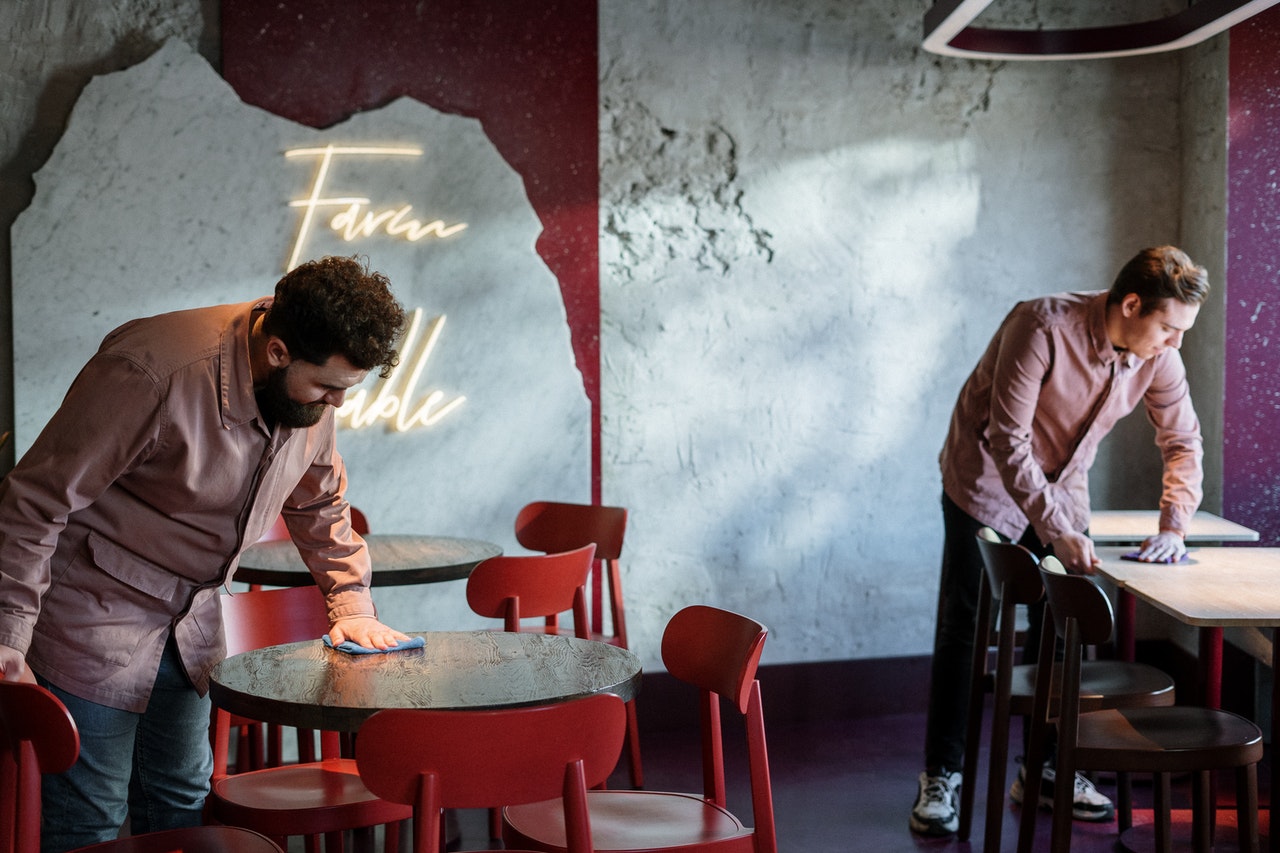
x,y
1160,741
1011,576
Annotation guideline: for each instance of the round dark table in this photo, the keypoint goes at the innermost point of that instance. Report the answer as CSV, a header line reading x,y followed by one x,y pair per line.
x,y
397,560
310,686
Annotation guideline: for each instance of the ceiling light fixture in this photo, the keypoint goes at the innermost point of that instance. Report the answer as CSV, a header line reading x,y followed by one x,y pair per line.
x,y
947,31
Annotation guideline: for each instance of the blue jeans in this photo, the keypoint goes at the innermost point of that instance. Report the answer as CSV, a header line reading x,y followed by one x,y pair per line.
x,y
152,767
962,568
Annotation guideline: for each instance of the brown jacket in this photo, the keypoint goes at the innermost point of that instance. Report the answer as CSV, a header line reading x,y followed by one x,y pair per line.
x,y
130,511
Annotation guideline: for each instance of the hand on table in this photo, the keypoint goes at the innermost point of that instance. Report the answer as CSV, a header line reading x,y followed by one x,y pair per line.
x,y
1075,550
1165,547
365,631
13,666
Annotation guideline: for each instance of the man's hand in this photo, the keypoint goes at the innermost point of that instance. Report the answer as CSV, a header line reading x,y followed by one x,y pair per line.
x,y
1165,547
13,666
365,631
1075,550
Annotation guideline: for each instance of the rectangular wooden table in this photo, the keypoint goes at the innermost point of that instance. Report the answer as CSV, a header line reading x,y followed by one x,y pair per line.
x,y
1132,526
1215,588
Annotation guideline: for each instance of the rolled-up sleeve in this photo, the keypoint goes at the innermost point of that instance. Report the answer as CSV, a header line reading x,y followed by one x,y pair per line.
x,y
1169,406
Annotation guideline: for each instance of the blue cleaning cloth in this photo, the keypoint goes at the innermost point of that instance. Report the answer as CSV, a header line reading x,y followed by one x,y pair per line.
x,y
356,649
1135,558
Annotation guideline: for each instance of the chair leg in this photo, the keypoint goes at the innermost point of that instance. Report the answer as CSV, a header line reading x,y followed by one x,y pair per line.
x,y
1247,808
1124,801
1201,812
977,694
1161,794
633,747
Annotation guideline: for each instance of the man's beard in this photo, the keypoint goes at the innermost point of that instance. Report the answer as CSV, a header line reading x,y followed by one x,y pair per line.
x,y
278,409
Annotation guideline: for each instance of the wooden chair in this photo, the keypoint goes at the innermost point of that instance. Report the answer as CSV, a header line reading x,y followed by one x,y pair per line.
x,y
310,798
541,586
37,736
551,527
1159,741
717,652
1011,575
438,760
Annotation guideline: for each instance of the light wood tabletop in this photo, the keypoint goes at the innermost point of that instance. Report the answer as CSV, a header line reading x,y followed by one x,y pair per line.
x,y
1124,526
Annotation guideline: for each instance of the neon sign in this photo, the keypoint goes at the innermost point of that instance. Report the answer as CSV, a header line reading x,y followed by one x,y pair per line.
x,y
356,220
390,398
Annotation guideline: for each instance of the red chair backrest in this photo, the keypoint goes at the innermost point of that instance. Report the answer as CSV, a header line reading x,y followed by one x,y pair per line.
x,y
280,531
715,650
268,617
512,588
37,735
482,759
552,527
718,652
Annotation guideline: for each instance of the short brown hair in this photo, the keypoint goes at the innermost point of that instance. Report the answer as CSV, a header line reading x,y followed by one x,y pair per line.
x,y
337,305
1160,273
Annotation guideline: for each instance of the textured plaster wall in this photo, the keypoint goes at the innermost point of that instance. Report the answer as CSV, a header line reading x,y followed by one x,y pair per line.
x,y
809,229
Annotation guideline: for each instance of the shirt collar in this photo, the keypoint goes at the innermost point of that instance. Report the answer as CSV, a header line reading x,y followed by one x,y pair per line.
x,y
1105,351
235,373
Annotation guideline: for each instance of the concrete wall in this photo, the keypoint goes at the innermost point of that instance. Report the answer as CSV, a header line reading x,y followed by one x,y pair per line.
x,y
809,229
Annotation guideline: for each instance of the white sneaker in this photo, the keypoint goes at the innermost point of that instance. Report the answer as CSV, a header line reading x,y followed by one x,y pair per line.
x,y
937,808
1087,804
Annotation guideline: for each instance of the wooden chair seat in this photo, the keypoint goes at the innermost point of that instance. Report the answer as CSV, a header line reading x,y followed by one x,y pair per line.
x,y
641,820
1166,740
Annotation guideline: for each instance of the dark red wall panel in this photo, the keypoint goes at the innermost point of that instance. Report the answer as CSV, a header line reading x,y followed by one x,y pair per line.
x,y
1251,428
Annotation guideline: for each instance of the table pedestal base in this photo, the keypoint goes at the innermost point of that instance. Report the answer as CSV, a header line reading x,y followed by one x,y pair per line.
x,y
1141,837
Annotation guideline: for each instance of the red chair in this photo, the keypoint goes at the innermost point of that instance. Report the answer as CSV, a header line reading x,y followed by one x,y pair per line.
x,y
438,760
533,587
717,652
552,527
311,798
38,735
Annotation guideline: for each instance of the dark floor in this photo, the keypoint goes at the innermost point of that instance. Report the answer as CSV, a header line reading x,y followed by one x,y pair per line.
x,y
849,787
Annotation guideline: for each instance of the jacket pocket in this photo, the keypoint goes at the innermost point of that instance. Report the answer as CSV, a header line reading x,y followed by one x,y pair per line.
x,y
127,567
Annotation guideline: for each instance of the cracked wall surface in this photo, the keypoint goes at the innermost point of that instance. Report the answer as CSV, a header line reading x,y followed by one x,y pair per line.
x,y
809,230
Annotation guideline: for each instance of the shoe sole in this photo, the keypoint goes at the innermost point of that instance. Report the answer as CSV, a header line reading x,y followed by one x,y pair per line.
x,y
932,829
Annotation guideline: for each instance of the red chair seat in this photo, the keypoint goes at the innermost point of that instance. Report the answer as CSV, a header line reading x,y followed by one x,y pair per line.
x,y
203,839
635,821
286,800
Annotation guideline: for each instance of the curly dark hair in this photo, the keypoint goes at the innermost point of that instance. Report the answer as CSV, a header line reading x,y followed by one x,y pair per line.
x,y
337,305
1160,273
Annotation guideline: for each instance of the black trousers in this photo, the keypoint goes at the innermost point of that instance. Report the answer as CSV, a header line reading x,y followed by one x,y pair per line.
x,y
954,636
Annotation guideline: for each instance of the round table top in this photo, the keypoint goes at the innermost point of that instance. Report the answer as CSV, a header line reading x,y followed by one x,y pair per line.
x,y
397,560
310,686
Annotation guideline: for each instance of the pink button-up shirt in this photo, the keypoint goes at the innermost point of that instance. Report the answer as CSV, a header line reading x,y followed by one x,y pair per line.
x,y
130,511
1048,389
